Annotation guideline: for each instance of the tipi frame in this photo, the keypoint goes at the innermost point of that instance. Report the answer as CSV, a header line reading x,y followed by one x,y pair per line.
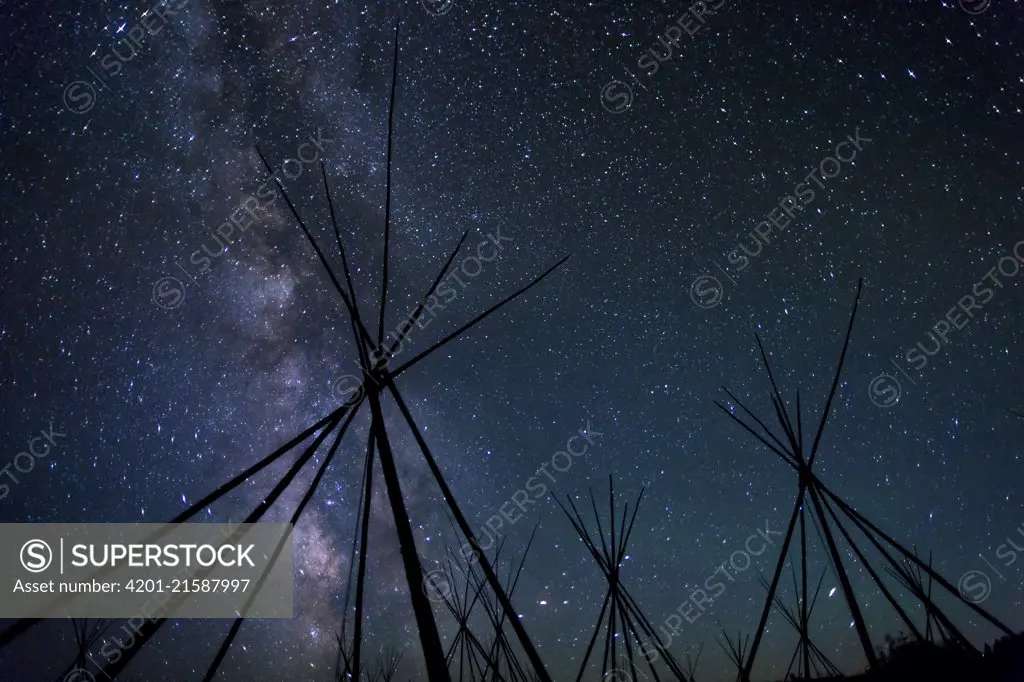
x,y
378,379
791,449
619,611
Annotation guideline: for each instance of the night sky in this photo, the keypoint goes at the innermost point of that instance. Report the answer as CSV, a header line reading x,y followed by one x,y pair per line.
x,y
548,124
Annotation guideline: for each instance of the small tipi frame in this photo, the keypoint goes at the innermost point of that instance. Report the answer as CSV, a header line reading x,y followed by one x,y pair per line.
x,y
623,613
812,660
789,447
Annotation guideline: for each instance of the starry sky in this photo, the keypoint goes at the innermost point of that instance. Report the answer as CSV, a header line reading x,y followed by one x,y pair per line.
x,y
547,123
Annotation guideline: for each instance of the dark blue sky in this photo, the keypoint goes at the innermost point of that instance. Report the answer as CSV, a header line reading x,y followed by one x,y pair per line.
x,y
537,121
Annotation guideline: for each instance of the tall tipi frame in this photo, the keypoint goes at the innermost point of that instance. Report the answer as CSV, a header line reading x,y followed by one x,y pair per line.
x,y
378,378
